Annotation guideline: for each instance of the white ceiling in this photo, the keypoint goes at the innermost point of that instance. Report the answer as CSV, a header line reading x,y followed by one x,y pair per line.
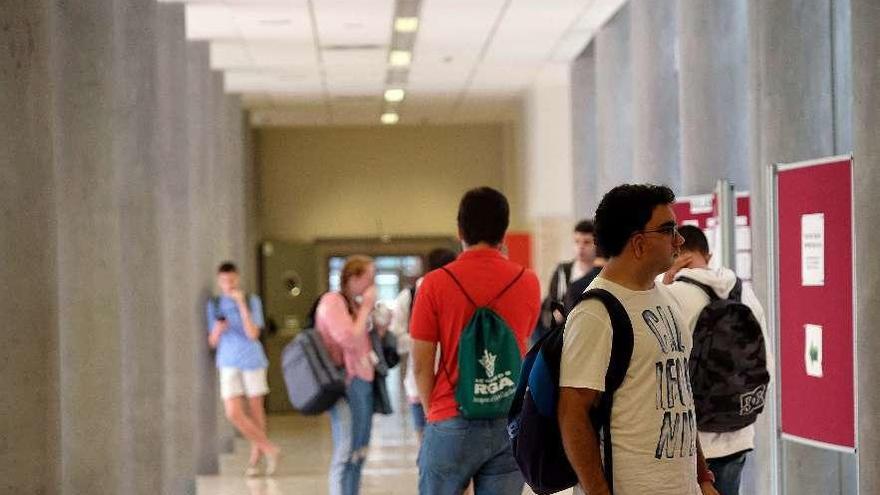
x,y
324,62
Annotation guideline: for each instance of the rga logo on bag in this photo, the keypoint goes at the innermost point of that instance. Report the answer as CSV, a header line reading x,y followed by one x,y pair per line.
x,y
488,362
494,387
752,401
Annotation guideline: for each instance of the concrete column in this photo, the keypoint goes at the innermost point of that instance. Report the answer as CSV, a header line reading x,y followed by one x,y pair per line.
x,y
656,143
203,231
28,410
713,84
792,104
183,332
224,152
866,137
135,128
89,248
584,133
614,102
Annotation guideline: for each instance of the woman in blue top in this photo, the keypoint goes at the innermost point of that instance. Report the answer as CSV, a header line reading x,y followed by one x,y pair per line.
x,y
235,322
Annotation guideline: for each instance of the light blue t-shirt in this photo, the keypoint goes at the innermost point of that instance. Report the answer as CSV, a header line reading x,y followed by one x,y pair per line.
x,y
235,349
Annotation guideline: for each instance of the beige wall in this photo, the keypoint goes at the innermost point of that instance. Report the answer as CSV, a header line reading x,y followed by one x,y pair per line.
x,y
367,181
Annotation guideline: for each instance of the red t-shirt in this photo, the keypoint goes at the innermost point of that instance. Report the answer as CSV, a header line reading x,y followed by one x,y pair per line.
x,y
441,312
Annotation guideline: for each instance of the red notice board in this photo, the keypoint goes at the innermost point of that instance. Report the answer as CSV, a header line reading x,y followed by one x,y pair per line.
x,y
813,257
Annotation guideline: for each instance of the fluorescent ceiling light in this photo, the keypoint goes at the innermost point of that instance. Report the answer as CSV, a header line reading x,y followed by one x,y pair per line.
x,y
399,58
406,24
390,118
394,95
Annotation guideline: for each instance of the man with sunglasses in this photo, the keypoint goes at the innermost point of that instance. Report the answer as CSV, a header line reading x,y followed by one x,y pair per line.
x,y
654,443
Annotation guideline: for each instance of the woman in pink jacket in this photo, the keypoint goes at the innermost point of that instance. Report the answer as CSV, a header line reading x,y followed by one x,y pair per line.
x,y
342,319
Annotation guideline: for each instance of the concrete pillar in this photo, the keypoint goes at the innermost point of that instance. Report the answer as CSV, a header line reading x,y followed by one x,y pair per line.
x,y
866,137
792,102
89,250
656,143
135,127
28,410
614,101
182,324
224,157
713,82
202,263
584,133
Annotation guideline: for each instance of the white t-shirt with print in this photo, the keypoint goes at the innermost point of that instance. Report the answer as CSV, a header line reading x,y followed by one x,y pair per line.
x,y
653,426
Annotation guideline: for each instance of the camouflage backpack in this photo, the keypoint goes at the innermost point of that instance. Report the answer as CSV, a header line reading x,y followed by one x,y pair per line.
x,y
728,364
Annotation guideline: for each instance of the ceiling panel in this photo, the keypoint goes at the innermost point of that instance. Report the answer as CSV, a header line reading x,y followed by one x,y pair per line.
x,y
471,57
210,21
281,82
343,22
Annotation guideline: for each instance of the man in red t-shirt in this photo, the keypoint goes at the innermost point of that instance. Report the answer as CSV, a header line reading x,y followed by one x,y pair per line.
x,y
456,450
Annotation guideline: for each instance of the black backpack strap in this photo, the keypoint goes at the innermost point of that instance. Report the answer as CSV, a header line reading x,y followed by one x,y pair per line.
x,y
504,290
463,291
621,355
708,290
215,305
737,291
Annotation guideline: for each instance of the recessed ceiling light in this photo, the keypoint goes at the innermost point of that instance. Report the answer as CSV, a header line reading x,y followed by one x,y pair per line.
x,y
394,95
406,24
390,118
399,58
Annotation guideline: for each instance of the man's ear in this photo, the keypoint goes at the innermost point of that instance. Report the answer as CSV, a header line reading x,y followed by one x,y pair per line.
x,y
637,243
708,257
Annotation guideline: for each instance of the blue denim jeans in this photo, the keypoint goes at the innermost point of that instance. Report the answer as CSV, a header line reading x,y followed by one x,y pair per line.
x,y
457,450
728,472
351,421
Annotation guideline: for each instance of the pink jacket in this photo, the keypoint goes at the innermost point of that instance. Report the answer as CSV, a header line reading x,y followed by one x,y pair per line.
x,y
346,344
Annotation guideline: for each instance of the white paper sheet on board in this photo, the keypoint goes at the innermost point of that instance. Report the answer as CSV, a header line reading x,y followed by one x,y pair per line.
x,y
743,240
813,350
813,250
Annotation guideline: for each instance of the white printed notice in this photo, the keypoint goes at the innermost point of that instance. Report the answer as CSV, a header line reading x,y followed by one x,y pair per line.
x,y
813,350
813,250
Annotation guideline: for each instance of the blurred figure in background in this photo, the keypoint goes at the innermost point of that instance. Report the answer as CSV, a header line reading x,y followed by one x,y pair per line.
x,y
235,320
343,320
400,327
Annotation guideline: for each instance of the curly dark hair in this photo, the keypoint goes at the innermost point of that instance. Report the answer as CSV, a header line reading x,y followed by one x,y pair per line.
x,y
625,210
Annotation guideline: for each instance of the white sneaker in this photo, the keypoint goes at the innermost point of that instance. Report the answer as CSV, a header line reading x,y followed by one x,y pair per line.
x,y
272,463
252,471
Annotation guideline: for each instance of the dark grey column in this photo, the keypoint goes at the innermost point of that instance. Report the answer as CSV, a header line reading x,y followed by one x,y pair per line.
x,y
223,155
134,156
656,142
584,133
183,332
866,130
713,81
614,102
89,250
792,102
28,410
202,260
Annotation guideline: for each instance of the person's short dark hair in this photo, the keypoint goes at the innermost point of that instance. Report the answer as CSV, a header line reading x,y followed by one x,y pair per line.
x,y
625,210
227,267
440,257
483,216
585,227
694,239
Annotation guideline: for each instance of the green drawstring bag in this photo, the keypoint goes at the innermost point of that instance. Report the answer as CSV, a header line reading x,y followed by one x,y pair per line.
x,y
489,362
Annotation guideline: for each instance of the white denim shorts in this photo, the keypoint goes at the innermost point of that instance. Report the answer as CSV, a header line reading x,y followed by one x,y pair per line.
x,y
235,382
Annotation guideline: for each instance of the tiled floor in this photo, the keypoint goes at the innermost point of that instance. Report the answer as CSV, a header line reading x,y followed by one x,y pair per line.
x,y
306,444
